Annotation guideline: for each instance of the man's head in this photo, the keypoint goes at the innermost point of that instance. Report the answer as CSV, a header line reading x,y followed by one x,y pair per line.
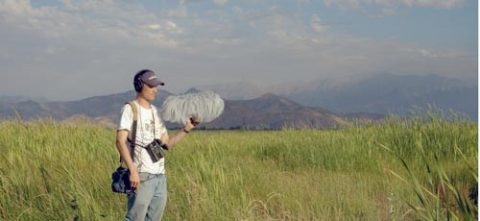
x,y
145,83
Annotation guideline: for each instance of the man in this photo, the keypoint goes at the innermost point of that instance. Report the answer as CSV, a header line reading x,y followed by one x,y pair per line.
x,y
147,177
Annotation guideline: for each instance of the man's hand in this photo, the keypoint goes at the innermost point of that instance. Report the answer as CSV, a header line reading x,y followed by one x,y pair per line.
x,y
134,178
191,123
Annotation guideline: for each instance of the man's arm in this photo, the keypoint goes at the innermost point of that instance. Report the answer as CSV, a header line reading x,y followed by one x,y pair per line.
x,y
172,141
125,154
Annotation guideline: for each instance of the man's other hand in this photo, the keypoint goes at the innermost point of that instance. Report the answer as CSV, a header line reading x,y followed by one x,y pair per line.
x,y
134,179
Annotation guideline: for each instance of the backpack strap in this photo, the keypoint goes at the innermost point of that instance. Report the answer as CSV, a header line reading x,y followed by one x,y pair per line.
x,y
134,127
134,130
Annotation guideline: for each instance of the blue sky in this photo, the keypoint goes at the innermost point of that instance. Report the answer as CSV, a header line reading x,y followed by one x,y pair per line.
x,y
69,49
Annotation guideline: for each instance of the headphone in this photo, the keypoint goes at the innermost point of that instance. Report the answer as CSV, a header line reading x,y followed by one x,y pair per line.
x,y
137,80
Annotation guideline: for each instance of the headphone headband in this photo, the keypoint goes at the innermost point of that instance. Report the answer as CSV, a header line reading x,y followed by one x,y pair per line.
x,y
137,80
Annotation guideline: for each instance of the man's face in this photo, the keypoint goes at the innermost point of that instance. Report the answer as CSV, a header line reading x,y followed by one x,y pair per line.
x,y
149,92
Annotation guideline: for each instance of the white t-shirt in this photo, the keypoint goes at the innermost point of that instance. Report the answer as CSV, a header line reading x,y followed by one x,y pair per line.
x,y
145,129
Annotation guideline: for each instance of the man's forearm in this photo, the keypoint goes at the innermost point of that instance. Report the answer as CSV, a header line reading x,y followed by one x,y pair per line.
x,y
172,141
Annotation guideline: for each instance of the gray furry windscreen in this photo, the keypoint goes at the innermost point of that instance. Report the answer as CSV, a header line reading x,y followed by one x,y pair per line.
x,y
205,106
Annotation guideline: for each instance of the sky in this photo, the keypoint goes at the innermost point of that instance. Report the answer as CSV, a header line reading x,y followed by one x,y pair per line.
x,y
72,49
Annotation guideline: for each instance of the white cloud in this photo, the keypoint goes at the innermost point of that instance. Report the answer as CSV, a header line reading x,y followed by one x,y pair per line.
x,y
388,12
220,2
154,26
72,43
278,27
165,26
445,4
317,24
179,12
172,27
343,3
100,20
87,5
438,54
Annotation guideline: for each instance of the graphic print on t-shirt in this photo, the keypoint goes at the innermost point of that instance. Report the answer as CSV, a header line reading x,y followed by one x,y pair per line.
x,y
147,124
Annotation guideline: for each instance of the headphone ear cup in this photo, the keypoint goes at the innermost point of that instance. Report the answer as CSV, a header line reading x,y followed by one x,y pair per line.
x,y
138,84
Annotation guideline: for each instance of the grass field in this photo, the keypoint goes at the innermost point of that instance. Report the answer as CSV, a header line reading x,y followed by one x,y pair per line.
x,y
399,170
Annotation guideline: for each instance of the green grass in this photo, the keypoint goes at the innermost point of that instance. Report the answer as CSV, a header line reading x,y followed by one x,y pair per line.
x,y
399,170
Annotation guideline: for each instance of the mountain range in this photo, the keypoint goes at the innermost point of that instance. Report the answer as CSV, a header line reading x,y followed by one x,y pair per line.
x,y
265,112
395,94
378,93
323,105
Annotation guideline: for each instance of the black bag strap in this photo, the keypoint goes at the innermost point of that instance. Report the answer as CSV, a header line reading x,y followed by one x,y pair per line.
x,y
134,130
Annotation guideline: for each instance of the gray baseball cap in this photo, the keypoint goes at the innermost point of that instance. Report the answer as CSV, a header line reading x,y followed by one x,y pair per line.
x,y
151,79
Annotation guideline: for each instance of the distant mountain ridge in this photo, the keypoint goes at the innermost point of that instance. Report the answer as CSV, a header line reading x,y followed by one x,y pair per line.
x,y
265,112
272,111
12,99
98,106
396,94
324,106
381,93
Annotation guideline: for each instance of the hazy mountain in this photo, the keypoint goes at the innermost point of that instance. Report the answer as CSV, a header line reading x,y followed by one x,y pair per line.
x,y
272,111
265,112
244,90
15,99
107,106
388,93
378,93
